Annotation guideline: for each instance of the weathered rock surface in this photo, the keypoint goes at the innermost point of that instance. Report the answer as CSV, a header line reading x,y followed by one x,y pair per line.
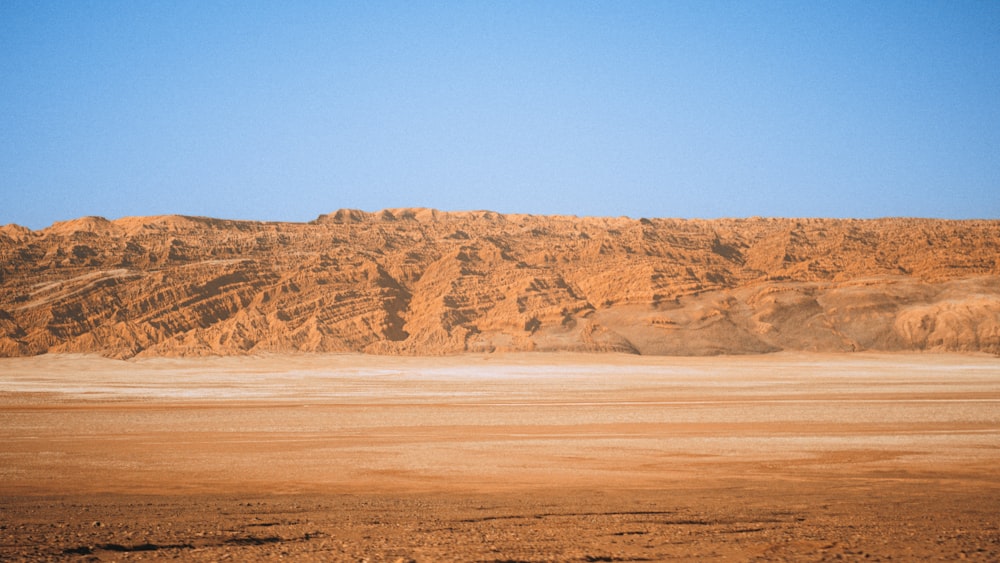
x,y
420,281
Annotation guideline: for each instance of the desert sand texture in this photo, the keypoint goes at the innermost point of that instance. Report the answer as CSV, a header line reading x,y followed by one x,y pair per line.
x,y
501,457
425,282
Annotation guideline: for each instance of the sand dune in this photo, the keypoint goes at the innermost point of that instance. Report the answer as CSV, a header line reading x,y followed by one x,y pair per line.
x,y
426,282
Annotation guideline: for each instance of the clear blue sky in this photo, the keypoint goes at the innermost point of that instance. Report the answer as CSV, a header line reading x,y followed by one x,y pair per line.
x,y
286,110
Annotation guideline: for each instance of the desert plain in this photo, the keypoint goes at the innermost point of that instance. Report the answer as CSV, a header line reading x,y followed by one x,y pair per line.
x,y
501,457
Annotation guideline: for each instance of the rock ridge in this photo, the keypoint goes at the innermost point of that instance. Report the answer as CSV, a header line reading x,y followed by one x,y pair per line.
x,y
421,281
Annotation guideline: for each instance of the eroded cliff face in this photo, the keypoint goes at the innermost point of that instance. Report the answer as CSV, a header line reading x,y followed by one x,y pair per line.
x,y
420,281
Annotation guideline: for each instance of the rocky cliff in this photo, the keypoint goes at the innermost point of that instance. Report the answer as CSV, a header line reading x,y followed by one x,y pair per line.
x,y
420,281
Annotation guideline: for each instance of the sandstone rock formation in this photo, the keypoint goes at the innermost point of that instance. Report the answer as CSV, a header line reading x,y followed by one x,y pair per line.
x,y
420,281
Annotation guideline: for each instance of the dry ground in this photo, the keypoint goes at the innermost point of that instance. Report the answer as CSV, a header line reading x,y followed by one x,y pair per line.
x,y
554,457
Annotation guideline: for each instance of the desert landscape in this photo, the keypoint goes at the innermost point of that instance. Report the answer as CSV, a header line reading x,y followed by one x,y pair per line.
x,y
416,385
499,282
520,457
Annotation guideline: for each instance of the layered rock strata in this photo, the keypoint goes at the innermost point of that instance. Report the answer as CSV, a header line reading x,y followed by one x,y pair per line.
x,y
421,281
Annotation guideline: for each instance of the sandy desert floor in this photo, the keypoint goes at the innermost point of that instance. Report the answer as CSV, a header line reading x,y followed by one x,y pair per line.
x,y
545,457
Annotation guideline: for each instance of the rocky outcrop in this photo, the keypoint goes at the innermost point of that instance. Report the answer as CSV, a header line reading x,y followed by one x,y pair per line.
x,y
421,281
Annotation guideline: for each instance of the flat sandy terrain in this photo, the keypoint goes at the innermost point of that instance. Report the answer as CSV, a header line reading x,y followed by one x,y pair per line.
x,y
544,457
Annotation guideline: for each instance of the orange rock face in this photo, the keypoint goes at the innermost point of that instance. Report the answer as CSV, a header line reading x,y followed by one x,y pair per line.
x,y
420,281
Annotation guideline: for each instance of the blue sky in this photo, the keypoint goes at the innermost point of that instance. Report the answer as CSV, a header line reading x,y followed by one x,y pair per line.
x,y
286,110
